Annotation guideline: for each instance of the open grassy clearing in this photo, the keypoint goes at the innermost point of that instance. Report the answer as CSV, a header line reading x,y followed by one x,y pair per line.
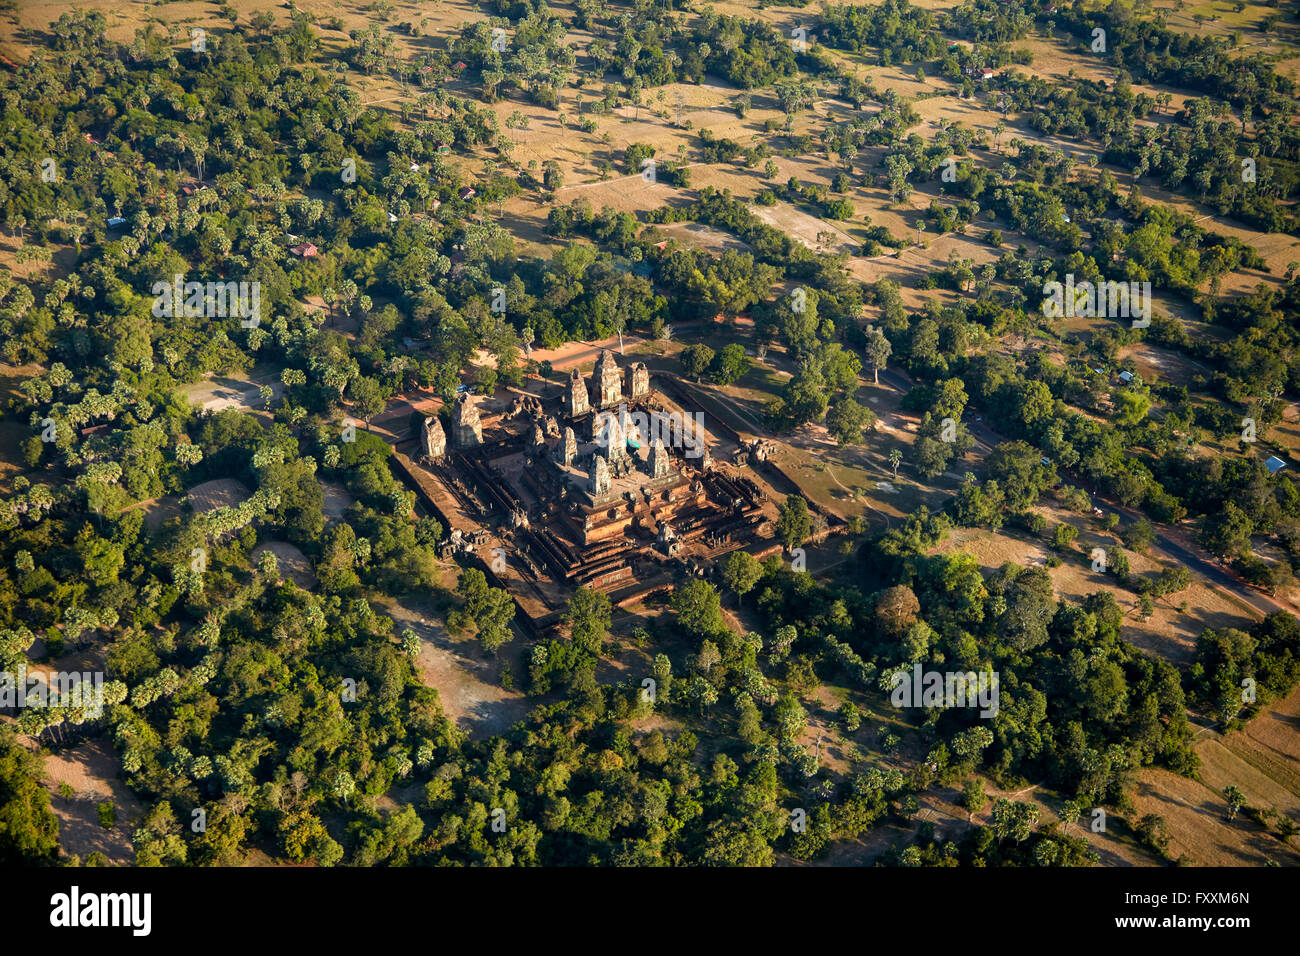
x,y
939,805
1155,363
1220,18
1261,761
854,480
706,105
92,772
1170,632
468,685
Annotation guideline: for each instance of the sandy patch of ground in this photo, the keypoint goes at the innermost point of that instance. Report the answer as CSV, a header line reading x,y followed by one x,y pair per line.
x,y
290,561
808,229
337,501
217,393
1160,364
454,666
702,237
218,493
92,770
157,511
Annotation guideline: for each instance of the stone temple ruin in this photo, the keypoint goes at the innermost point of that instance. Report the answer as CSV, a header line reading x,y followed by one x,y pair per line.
x,y
433,439
466,426
602,483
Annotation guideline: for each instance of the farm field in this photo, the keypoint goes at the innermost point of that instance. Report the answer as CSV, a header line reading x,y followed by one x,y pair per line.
x,y
1261,761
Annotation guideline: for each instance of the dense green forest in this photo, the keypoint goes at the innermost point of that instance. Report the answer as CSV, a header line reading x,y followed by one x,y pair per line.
x,y
296,719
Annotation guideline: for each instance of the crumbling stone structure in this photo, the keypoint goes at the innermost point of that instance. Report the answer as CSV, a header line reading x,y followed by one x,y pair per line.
x,y
466,426
599,476
578,400
638,380
609,380
433,439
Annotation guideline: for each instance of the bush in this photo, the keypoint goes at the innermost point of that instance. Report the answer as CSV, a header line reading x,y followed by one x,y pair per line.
x,y
1033,522
1063,536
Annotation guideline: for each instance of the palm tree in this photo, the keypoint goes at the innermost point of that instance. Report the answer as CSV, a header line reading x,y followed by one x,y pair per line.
x,y
1236,800
895,459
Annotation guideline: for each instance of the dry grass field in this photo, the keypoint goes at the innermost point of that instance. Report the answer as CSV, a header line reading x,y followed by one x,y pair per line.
x,y
218,493
291,563
1263,761
1169,633
12,432
92,770
467,684
699,106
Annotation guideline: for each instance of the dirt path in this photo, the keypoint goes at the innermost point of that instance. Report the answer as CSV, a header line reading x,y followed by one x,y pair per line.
x,y
866,501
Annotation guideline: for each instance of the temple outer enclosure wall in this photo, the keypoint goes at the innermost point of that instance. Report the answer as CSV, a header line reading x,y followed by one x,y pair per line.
x,y
518,503
687,396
